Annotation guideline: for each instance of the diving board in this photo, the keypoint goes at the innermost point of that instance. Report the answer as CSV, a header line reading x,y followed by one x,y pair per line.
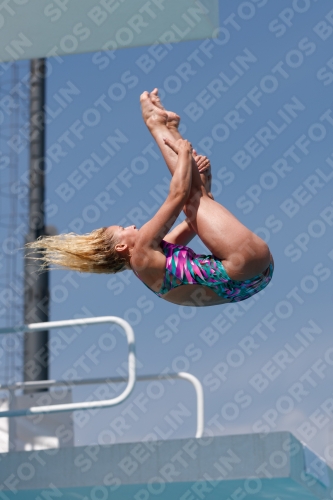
x,y
257,466
61,27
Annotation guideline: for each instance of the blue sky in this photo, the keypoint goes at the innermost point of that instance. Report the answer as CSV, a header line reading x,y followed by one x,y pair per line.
x,y
258,101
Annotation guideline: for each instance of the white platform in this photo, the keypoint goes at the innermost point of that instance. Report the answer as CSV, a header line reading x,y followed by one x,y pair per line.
x,y
44,29
220,468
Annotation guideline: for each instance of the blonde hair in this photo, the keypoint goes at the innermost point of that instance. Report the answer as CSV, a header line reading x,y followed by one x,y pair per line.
x,y
88,253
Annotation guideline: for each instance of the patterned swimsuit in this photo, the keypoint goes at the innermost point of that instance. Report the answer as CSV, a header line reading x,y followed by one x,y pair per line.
x,y
185,267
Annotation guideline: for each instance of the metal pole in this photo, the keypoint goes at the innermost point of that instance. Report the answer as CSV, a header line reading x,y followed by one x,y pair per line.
x,y
36,300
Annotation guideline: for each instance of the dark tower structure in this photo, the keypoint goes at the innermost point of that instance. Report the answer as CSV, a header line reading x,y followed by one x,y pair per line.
x,y
36,303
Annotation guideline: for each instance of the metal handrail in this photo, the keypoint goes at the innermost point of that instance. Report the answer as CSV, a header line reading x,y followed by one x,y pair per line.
x,y
105,403
117,380
33,327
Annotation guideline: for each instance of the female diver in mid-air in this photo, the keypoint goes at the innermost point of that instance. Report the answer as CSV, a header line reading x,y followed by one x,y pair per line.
x,y
240,264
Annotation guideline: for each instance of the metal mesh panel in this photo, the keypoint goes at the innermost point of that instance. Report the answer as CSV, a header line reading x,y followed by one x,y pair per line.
x,y
14,119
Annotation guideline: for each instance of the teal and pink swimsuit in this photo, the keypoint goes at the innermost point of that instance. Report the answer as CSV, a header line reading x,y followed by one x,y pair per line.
x,y
185,267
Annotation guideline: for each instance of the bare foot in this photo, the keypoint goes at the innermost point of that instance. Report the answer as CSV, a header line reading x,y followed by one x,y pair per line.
x,y
173,122
205,170
173,119
153,115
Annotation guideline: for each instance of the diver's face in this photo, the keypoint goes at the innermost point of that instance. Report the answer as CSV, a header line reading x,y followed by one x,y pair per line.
x,y
124,235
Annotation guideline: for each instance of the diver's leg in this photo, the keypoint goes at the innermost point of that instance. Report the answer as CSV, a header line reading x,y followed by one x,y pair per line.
x,y
243,253
156,120
173,121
